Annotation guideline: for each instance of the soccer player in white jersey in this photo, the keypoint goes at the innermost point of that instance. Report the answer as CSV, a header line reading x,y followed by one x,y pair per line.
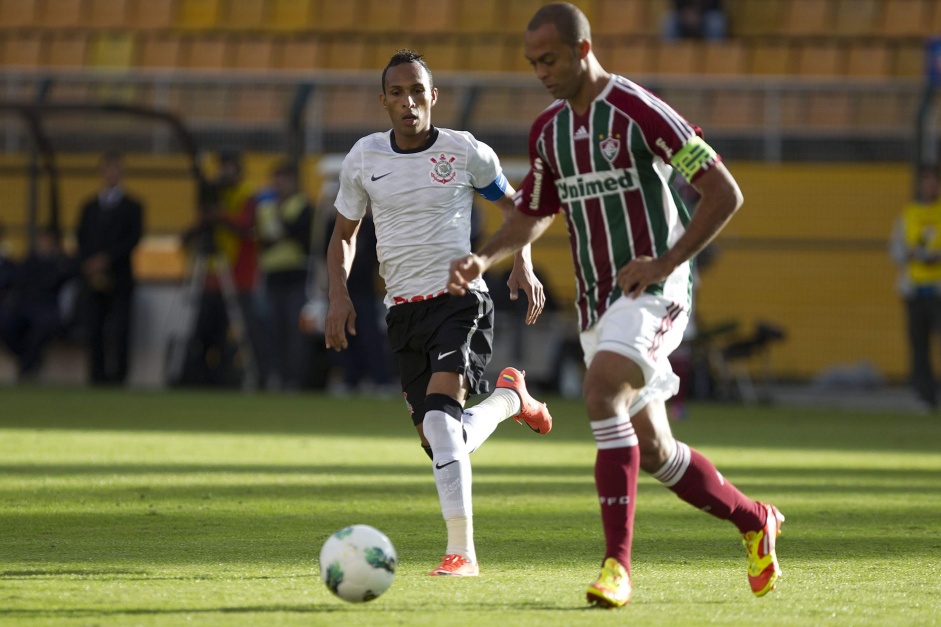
x,y
604,154
420,182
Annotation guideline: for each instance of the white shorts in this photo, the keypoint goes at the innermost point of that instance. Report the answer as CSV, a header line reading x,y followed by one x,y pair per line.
x,y
645,330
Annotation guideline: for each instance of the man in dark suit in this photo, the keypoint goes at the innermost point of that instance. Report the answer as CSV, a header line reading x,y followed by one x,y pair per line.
x,y
108,231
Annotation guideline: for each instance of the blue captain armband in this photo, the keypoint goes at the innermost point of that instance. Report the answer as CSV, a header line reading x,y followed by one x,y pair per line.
x,y
495,190
691,158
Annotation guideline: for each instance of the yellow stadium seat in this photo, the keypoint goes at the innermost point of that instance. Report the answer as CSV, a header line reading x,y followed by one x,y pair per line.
x,y
382,16
621,17
734,109
208,52
478,16
771,58
805,18
153,14
66,49
724,58
18,14
259,105
245,15
340,17
515,55
906,18
515,15
62,13
908,60
441,53
301,53
830,111
113,50
869,60
856,18
293,15
356,107
347,53
161,50
198,14
821,59
680,57
433,17
254,53
880,112
759,18
629,57
23,49
485,54
107,13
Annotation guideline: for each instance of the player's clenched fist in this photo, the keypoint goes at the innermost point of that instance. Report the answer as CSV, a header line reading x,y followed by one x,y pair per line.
x,y
463,271
341,319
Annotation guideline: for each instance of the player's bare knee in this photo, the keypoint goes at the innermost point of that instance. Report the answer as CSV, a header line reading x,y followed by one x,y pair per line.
x,y
655,451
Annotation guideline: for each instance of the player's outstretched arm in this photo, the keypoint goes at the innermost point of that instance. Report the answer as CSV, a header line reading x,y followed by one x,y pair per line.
x,y
341,316
721,198
522,275
517,231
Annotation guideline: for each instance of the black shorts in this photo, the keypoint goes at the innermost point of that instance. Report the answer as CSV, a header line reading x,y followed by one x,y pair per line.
x,y
443,334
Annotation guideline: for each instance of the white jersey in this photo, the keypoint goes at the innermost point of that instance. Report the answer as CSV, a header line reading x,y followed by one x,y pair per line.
x,y
421,205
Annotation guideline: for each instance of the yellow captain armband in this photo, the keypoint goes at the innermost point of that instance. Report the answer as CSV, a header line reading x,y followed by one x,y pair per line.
x,y
692,157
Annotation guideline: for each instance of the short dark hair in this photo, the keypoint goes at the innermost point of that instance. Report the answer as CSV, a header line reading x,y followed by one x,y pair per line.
x,y
406,56
567,18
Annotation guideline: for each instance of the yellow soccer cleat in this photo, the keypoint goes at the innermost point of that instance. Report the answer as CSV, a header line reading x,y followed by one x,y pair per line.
x,y
763,568
613,588
455,565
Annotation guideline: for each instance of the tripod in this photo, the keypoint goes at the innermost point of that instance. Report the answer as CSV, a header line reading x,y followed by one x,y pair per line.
x,y
209,259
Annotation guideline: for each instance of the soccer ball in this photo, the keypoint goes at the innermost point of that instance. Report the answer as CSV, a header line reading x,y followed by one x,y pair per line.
x,y
357,563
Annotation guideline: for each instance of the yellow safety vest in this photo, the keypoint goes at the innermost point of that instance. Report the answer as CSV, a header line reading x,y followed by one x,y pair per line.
x,y
923,229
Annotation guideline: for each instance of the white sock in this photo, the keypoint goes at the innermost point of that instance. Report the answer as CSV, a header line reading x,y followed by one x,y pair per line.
x,y
616,432
453,477
675,466
482,419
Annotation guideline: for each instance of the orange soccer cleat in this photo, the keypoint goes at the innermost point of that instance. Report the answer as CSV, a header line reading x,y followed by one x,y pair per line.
x,y
532,412
455,565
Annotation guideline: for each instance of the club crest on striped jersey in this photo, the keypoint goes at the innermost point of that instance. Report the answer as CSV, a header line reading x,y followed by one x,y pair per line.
x,y
610,146
442,171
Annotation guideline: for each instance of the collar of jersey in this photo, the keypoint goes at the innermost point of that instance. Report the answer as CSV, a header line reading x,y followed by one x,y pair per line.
x,y
432,138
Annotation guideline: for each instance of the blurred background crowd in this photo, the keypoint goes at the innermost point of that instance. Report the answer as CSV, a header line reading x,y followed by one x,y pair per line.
x,y
168,169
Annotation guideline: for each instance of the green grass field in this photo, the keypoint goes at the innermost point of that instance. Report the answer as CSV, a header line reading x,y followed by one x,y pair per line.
x,y
209,508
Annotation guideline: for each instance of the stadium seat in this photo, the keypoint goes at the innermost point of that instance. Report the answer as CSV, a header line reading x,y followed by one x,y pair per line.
x,y
821,59
908,60
829,111
382,16
735,110
869,60
354,107
208,52
259,105
348,53
856,18
254,53
724,58
905,18
107,14
66,49
340,17
616,17
198,14
244,15
23,49
113,50
61,14
478,16
758,18
629,57
442,53
693,104
880,112
293,15
153,14
432,17
679,57
771,58
300,53
514,59
515,15
15,14
808,18
484,54
161,50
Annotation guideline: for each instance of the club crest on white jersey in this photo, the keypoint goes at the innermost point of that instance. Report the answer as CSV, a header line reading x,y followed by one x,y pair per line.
x,y
443,171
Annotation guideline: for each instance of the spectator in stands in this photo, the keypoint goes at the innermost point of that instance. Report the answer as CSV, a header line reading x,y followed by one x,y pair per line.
x,y
916,247
29,315
109,229
695,19
224,235
283,223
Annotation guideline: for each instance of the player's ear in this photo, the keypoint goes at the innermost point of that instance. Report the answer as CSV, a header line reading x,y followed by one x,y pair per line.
x,y
382,99
583,48
434,96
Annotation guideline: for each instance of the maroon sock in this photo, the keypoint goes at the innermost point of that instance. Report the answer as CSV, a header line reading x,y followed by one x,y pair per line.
x,y
695,479
616,472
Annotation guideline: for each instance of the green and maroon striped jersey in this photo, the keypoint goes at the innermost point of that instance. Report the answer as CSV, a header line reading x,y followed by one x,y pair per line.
x,y
610,170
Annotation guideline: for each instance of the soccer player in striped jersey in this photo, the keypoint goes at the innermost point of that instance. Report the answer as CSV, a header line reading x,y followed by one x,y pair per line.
x,y
604,154
420,182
